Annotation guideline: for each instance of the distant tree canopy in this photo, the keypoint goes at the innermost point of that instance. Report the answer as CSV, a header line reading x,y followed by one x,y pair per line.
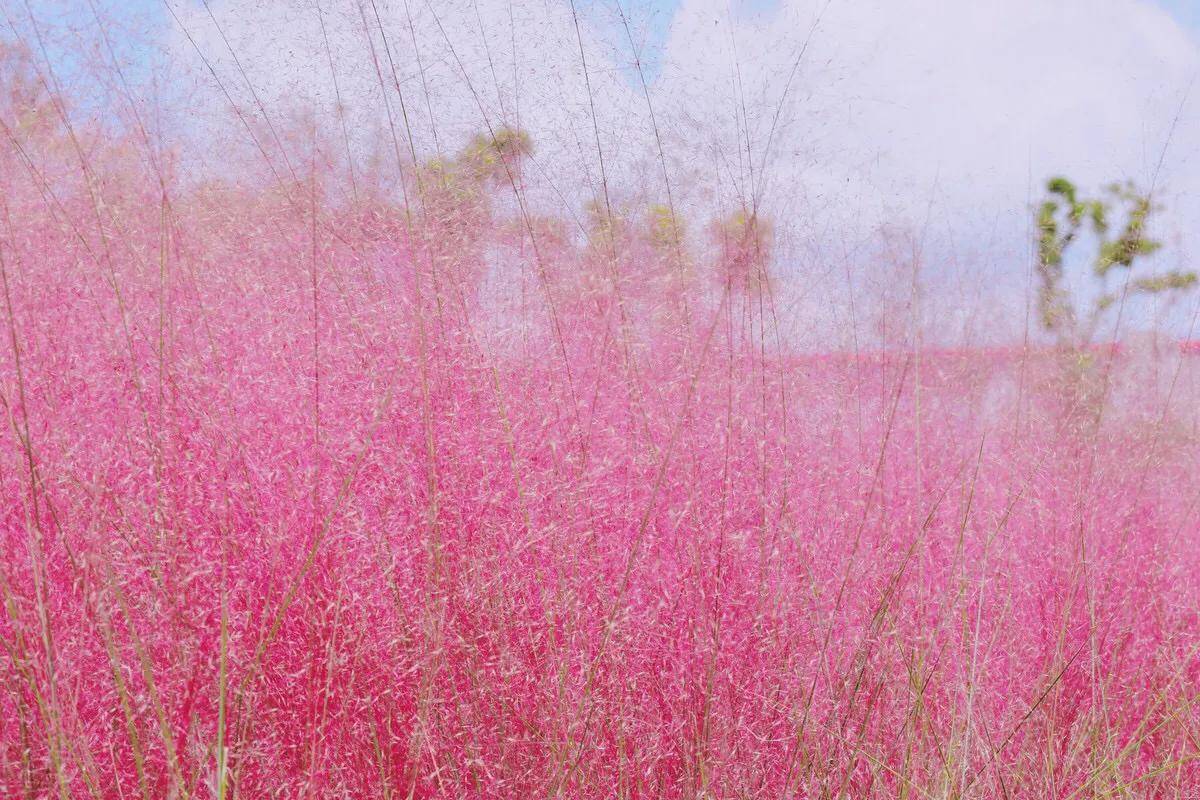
x,y
1061,217
487,159
26,105
457,194
491,156
665,227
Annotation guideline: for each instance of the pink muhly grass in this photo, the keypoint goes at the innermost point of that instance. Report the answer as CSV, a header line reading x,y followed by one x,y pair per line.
x,y
301,500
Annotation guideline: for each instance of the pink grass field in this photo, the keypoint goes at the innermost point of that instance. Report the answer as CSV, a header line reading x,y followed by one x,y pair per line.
x,y
312,498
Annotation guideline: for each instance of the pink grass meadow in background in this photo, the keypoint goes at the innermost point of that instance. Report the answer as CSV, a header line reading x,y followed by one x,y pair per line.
x,y
413,492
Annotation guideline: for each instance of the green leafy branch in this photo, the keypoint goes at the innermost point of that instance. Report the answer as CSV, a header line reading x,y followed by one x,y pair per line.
x,y
1061,217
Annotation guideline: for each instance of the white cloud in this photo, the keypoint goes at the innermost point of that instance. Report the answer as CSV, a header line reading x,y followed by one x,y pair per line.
x,y
943,118
977,96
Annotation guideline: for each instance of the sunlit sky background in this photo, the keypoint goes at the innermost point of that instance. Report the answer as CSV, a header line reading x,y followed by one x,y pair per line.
x,y
906,111
1186,11
654,15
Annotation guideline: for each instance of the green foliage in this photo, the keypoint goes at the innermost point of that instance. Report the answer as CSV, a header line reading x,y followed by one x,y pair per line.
x,y
446,183
455,190
665,228
606,227
1132,242
746,232
1062,216
485,158
491,156
1168,281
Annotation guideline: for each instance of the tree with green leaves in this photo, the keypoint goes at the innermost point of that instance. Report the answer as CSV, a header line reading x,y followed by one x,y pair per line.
x,y
457,195
455,185
665,228
1061,218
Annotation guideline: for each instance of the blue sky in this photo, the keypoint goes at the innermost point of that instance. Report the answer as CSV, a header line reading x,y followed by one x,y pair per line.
x,y
653,16
1186,11
656,12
